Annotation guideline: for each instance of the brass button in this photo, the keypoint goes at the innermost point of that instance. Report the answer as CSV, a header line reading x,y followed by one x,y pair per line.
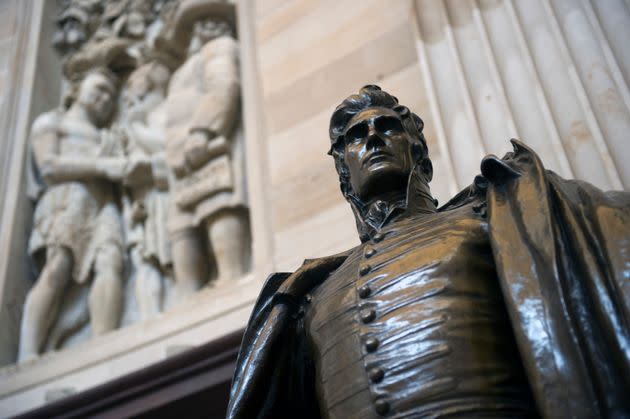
x,y
368,315
376,375
369,252
371,344
364,270
381,406
377,237
365,291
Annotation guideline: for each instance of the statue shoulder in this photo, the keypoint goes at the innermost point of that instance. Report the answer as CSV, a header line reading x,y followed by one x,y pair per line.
x,y
290,287
46,122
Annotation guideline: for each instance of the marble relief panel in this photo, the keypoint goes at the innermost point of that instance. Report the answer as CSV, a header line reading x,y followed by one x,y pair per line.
x,y
139,189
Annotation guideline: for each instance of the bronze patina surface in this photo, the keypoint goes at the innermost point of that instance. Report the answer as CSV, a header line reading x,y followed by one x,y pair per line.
x,y
512,300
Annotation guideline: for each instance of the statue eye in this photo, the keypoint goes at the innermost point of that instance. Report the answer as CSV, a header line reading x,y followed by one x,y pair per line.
x,y
357,133
388,125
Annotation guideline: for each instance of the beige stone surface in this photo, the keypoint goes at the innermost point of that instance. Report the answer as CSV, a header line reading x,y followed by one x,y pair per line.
x,y
19,59
313,53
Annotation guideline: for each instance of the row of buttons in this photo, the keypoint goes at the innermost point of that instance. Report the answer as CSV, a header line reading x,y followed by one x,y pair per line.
x,y
375,374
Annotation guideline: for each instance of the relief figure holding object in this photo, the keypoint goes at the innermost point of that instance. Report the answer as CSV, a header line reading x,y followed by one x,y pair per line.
x,y
204,150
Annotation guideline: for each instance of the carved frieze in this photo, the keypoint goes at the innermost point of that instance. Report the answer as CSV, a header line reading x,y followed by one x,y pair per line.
x,y
142,198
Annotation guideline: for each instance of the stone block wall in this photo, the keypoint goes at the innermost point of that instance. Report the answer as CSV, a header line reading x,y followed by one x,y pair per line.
x,y
553,73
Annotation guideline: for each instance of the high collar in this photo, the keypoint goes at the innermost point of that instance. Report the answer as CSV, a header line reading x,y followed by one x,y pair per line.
x,y
378,214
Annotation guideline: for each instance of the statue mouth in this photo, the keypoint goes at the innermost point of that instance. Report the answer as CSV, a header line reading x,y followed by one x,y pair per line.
x,y
376,156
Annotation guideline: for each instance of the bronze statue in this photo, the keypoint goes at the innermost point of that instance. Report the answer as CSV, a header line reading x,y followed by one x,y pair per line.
x,y
512,300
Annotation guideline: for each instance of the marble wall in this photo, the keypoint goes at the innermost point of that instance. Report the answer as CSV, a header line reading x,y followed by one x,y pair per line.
x,y
553,73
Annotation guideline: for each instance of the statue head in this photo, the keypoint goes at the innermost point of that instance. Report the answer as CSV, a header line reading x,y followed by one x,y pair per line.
x,y
76,23
377,145
149,79
96,95
205,31
190,24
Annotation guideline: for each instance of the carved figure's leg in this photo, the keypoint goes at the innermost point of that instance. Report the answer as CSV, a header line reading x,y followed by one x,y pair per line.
x,y
43,301
105,298
228,232
190,262
148,286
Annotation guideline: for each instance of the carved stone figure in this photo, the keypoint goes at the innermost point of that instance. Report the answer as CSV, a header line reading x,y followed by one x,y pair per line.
x,y
117,34
205,153
146,203
77,233
150,191
512,300
76,22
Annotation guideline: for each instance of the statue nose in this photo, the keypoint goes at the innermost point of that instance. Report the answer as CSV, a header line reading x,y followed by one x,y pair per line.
x,y
373,138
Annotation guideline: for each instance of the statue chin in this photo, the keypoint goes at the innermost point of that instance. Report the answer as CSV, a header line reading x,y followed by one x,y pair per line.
x,y
381,179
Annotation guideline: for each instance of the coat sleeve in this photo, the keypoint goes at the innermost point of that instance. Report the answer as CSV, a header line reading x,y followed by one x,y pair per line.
x,y
562,251
274,376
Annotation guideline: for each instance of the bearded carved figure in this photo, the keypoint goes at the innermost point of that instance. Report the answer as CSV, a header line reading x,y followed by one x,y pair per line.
x,y
511,300
204,150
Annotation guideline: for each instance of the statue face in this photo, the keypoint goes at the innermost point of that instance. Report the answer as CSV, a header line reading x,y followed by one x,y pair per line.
x,y
378,153
97,96
137,86
146,79
206,31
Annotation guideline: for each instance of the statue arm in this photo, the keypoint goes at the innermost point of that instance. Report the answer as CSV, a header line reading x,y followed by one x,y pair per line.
x,y
256,393
214,117
217,111
149,138
56,168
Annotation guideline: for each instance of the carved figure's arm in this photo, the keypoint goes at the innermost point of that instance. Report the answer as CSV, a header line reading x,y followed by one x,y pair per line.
x,y
56,168
217,111
147,137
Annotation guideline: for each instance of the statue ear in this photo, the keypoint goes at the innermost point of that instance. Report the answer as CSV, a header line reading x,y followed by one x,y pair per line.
x,y
425,164
419,123
336,145
427,168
